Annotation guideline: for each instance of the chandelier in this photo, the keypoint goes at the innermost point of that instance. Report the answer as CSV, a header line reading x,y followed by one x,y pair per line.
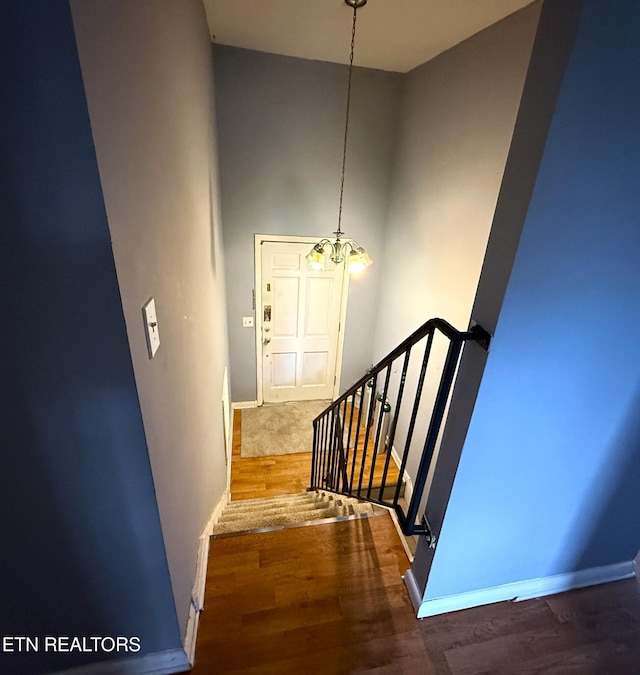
x,y
356,257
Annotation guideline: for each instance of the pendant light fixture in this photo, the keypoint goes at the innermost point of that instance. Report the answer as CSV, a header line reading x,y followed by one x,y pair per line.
x,y
356,257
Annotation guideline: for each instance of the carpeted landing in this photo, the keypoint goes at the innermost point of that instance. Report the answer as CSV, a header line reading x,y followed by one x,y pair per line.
x,y
248,515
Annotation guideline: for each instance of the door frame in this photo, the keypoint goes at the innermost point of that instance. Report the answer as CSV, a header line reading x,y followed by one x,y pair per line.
x,y
293,239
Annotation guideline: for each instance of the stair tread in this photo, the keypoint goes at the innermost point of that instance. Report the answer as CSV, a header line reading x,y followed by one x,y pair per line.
x,y
267,500
283,510
269,513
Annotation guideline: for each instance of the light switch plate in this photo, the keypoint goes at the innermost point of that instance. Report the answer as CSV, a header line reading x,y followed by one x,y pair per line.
x,y
151,327
247,321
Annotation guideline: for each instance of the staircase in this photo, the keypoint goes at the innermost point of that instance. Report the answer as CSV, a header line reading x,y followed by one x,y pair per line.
x,y
249,515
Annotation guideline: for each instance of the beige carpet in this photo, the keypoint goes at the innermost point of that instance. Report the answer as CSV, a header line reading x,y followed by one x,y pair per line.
x,y
289,510
279,428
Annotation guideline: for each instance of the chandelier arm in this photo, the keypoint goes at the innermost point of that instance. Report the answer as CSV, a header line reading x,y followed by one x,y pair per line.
x,y
346,121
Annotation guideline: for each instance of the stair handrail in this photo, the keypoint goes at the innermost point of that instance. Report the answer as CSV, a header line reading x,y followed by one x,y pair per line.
x,y
328,453
475,333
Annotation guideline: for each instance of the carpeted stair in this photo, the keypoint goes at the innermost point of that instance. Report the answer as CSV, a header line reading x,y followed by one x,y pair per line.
x,y
287,510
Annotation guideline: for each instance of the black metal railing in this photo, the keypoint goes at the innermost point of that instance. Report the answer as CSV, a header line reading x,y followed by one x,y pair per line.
x,y
401,401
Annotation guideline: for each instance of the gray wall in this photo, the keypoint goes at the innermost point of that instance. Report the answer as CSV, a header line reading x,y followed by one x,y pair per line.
x,y
549,474
147,68
456,122
82,548
551,51
281,124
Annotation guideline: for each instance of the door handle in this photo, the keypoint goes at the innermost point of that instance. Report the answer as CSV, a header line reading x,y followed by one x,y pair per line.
x,y
266,340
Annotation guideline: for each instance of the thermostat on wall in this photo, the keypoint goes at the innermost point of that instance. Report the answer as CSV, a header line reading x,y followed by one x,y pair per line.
x,y
151,327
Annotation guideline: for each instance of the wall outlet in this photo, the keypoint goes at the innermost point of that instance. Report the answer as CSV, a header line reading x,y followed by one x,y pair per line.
x,y
247,321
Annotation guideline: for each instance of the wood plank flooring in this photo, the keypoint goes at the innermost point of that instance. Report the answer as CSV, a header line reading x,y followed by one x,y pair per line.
x,y
328,599
253,477
316,599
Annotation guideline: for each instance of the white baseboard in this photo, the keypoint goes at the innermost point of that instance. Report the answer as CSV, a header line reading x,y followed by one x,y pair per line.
x,y
525,590
216,513
197,594
158,663
240,405
191,635
408,483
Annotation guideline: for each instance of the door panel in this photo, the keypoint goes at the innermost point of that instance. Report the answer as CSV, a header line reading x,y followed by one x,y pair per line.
x,y
314,369
318,307
301,313
283,368
286,298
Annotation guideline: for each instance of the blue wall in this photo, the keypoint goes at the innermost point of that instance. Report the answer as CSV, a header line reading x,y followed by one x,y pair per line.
x,y
549,477
82,550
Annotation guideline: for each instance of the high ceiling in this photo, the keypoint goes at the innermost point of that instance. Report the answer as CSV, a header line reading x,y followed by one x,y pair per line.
x,y
395,35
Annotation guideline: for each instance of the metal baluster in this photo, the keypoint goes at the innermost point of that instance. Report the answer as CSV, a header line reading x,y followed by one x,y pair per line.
x,y
376,442
349,482
323,456
357,438
394,424
437,416
345,450
414,414
366,435
314,454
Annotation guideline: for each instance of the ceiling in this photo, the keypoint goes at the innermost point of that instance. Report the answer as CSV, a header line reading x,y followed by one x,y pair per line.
x,y
395,35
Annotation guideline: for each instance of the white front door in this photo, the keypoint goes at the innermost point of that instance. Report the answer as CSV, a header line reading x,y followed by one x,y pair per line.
x,y
300,317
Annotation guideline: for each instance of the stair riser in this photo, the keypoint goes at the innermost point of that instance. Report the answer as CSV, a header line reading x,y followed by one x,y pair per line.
x,y
276,512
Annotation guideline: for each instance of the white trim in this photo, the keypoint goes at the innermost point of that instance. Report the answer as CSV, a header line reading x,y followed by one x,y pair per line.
x,y
215,514
341,325
408,483
242,405
412,589
294,239
401,535
192,633
197,594
157,663
257,294
227,415
525,590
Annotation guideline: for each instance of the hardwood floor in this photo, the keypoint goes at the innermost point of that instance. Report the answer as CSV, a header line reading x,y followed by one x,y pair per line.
x,y
328,599
316,599
253,477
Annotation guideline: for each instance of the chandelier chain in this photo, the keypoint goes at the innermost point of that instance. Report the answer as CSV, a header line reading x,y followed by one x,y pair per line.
x,y
350,252
346,121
